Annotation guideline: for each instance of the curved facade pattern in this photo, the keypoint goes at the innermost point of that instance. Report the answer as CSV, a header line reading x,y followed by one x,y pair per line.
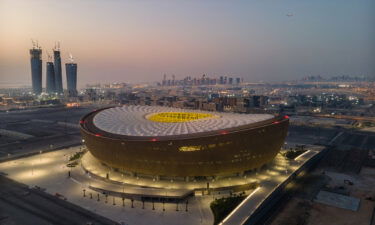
x,y
218,144
140,121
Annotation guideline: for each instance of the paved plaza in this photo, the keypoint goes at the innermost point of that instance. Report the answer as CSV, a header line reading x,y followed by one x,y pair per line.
x,y
49,171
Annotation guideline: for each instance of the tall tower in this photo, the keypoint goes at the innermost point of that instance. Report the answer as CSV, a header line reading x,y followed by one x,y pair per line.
x,y
58,75
164,80
36,68
71,77
50,78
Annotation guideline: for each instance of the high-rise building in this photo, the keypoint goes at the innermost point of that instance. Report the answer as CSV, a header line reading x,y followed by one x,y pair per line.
x,y
50,78
36,69
57,67
221,80
173,80
71,78
164,79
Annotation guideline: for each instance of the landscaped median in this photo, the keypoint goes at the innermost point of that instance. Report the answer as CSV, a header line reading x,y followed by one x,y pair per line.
x,y
223,206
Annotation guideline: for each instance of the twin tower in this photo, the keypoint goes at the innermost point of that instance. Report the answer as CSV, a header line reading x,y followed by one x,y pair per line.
x,y
54,82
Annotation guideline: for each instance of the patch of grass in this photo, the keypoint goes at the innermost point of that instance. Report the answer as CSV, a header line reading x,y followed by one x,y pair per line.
x,y
72,164
73,160
222,207
292,154
76,156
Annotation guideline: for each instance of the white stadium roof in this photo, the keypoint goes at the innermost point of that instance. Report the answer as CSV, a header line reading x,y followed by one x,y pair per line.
x,y
132,121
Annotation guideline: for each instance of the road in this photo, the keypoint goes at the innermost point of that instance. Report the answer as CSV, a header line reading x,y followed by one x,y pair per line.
x,y
22,205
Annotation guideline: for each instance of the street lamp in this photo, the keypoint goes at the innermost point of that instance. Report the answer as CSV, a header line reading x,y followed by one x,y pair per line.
x,y
123,183
89,180
40,155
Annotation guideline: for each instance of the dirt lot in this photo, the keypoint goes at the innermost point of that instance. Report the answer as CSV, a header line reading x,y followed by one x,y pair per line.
x,y
322,215
295,212
303,211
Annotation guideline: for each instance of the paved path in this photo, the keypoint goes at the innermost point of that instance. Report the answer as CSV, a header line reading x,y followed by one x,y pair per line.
x,y
49,171
22,205
267,186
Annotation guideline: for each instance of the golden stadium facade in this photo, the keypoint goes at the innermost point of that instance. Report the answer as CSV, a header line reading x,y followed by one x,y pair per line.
x,y
170,142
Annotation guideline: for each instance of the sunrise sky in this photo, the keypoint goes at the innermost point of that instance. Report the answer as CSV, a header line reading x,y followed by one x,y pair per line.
x,y
140,40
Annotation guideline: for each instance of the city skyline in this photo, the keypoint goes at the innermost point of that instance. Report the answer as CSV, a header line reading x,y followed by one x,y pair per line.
x,y
140,41
187,112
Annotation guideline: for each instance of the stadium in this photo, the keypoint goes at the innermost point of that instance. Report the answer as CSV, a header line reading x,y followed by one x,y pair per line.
x,y
165,142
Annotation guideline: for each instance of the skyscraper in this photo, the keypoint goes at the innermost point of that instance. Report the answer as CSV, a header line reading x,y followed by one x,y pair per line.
x,y
36,69
57,67
230,80
71,78
50,78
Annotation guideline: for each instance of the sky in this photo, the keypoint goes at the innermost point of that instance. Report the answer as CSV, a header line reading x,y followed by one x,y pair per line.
x,y
140,40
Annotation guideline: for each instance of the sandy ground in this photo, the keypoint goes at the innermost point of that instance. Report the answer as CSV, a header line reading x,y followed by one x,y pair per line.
x,y
304,212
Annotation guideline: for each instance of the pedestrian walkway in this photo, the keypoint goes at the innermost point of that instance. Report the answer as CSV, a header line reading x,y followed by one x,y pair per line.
x,y
266,187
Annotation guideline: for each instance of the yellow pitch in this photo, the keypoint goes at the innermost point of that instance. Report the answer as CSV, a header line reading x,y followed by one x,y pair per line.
x,y
177,117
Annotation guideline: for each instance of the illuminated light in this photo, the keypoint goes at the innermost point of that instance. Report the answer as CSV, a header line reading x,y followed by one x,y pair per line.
x,y
98,135
275,122
302,155
177,117
189,148
224,132
240,205
31,175
154,139
286,117
72,104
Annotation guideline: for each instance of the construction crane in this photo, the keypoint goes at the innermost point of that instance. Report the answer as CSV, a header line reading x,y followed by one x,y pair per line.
x,y
33,42
57,46
71,59
48,56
